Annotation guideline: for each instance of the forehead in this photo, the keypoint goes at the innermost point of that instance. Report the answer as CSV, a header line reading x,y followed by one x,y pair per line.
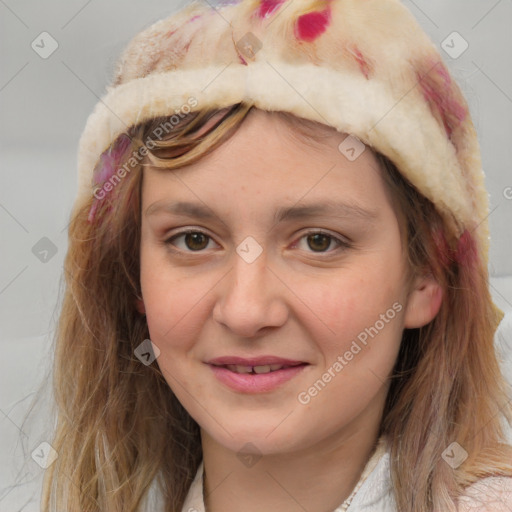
x,y
275,156
305,129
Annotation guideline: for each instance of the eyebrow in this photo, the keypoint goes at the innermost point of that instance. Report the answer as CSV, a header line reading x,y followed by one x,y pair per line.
x,y
328,208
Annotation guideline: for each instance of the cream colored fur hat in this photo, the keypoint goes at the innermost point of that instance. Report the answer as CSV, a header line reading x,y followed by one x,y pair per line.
x,y
364,67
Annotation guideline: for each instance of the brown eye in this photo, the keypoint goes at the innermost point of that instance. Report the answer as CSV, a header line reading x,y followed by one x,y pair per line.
x,y
188,241
196,241
319,242
322,242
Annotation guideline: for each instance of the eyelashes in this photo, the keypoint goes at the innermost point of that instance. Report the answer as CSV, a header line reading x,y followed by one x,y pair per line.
x,y
320,235
188,233
197,241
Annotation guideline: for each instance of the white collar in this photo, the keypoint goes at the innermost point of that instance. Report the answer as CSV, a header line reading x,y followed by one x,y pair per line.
x,y
374,495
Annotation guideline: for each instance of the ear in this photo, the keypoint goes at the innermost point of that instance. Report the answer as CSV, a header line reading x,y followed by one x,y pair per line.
x,y
424,302
139,304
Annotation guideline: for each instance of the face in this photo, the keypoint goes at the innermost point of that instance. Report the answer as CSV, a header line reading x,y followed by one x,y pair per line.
x,y
272,276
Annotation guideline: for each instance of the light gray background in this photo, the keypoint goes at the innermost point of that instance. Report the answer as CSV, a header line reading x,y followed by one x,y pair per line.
x,y
44,105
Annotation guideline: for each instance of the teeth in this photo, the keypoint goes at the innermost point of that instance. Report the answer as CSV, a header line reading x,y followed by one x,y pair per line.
x,y
256,369
262,369
239,369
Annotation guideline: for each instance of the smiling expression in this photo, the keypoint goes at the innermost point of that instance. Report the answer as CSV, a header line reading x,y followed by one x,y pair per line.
x,y
261,264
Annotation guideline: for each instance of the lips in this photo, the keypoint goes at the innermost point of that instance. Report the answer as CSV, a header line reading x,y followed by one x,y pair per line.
x,y
257,374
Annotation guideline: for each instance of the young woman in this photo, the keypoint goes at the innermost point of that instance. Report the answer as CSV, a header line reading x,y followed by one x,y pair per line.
x,y
277,291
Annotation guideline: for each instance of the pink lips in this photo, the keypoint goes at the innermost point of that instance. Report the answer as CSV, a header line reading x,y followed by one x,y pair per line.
x,y
255,382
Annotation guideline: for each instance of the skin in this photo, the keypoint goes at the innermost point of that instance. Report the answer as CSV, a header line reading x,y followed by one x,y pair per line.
x,y
297,300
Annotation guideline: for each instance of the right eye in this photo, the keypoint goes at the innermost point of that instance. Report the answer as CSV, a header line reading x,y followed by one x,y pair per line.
x,y
194,240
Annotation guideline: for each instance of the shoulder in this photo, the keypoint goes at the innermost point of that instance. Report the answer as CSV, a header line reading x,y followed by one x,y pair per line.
x,y
492,494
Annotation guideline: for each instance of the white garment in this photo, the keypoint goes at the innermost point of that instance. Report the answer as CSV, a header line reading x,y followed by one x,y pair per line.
x,y
374,494
493,494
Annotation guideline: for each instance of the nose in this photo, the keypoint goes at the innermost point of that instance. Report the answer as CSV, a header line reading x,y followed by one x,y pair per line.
x,y
251,298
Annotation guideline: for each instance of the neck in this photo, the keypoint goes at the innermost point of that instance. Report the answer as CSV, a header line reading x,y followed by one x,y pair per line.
x,y
320,477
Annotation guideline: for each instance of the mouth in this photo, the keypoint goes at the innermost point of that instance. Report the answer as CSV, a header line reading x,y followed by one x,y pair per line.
x,y
255,375
258,369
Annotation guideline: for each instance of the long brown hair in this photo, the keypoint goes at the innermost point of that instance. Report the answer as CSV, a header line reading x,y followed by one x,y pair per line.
x,y
119,426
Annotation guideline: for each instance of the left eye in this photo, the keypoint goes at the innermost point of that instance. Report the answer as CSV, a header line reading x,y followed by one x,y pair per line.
x,y
317,241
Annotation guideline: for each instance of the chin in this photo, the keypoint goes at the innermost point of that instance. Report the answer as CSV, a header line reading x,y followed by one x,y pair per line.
x,y
259,439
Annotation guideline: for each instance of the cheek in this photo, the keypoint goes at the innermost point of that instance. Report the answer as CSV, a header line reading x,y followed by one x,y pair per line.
x,y
170,301
364,312
349,303
175,314
169,312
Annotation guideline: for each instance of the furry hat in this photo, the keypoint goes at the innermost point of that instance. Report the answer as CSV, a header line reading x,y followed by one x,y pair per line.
x,y
365,68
